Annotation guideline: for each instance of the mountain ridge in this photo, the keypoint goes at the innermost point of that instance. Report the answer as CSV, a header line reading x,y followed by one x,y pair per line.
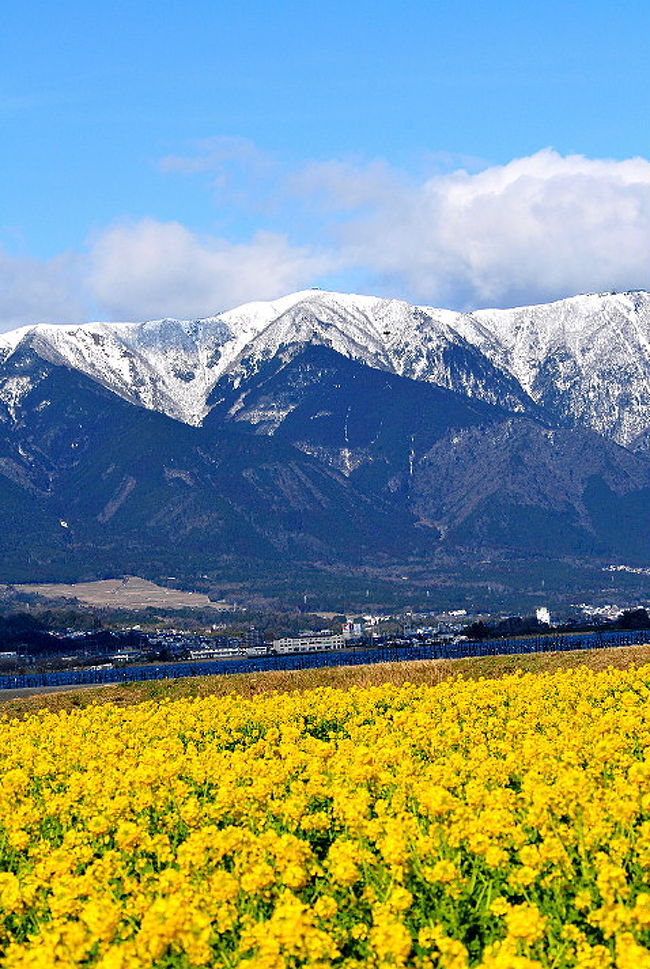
x,y
320,429
586,359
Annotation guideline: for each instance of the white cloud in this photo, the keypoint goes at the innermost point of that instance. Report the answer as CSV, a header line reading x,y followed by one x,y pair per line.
x,y
537,228
347,185
212,154
34,290
152,269
540,227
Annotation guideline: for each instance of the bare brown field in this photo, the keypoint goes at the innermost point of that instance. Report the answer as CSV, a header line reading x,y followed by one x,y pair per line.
x,y
131,592
249,685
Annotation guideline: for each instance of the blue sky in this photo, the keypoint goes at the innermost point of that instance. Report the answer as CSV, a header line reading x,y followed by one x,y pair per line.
x,y
172,158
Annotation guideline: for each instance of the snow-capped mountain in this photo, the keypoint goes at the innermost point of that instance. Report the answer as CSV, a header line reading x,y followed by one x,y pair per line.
x,y
164,365
386,334
172,365
585,360
311,426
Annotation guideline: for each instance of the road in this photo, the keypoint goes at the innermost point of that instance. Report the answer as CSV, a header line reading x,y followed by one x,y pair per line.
x,y
34,690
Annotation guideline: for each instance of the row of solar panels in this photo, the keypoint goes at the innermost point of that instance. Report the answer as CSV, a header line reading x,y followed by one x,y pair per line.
x,y
356,657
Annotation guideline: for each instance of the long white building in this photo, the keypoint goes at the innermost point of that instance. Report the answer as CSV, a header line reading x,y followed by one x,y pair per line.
x,y
308,644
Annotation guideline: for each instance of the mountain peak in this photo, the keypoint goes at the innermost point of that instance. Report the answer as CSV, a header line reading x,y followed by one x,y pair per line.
x,y
585,358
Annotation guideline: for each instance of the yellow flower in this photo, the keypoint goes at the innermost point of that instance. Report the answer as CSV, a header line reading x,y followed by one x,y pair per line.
x,y
343,862
525,922
222,832
499,906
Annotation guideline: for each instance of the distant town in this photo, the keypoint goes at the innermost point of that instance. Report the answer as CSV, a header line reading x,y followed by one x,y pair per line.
x,y
40,641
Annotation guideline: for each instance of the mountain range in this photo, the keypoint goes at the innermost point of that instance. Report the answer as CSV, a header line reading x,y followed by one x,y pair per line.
x,y
329,431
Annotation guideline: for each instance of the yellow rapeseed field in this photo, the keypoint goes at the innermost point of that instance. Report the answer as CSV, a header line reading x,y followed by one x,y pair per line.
x,y
495,823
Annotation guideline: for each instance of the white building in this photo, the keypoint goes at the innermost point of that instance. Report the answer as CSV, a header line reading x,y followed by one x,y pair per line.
x,y
352,630
308,644
543,615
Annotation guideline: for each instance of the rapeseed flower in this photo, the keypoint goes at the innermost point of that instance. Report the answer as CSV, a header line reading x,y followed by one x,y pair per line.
x,y
490,824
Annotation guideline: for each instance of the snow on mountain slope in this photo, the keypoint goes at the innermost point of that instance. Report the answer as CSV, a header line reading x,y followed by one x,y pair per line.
x,y
586,359
163,365
387,334
172,365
